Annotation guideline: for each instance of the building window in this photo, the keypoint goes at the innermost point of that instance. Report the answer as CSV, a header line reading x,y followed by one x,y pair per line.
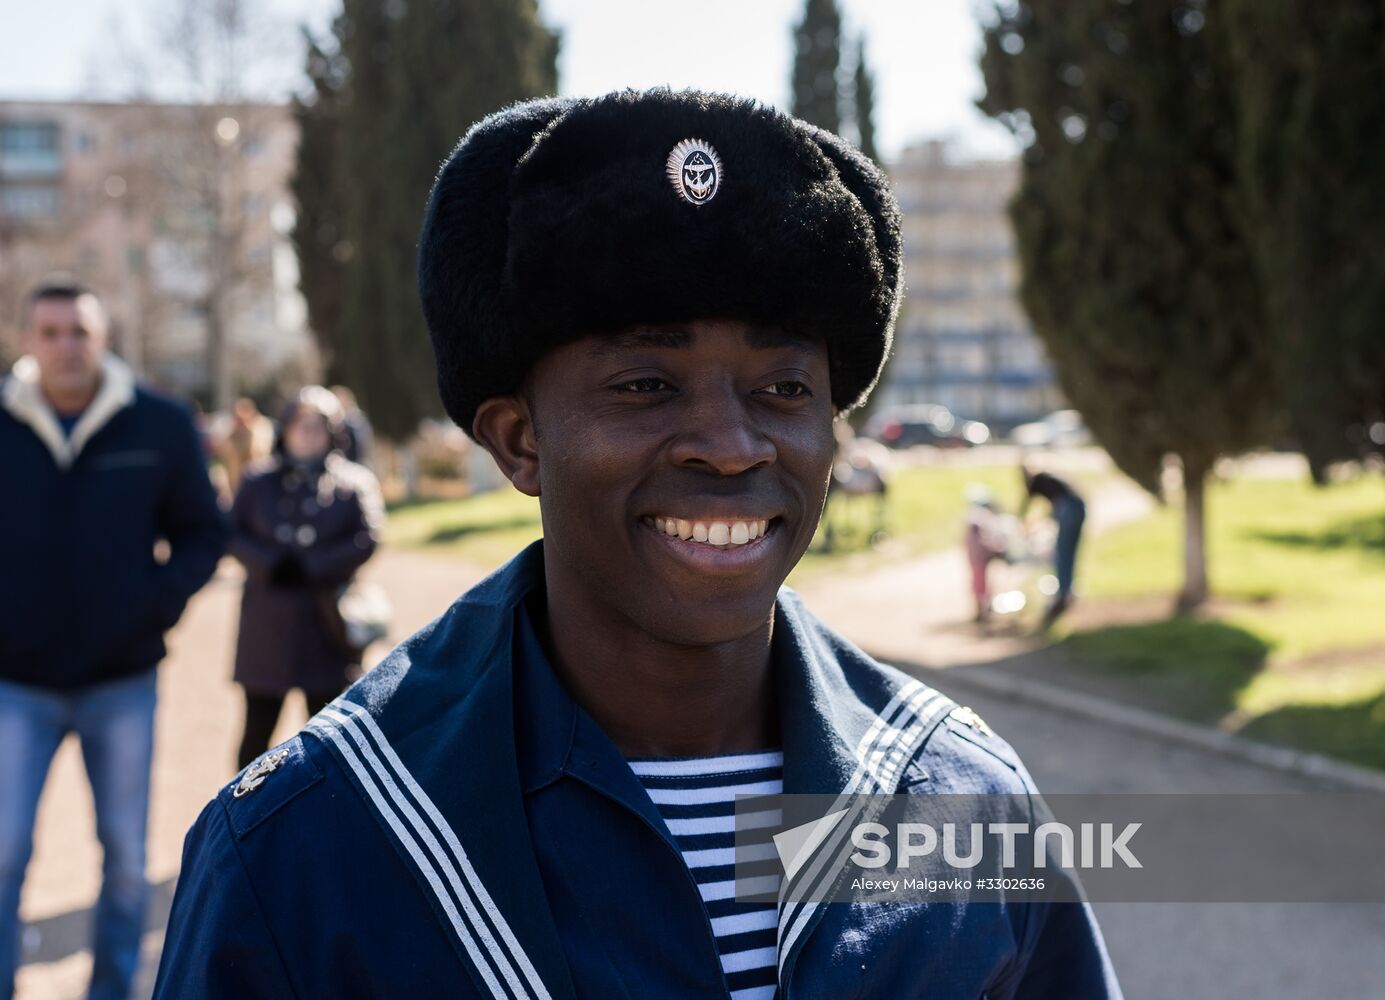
x,y
956,357
29,149
29,201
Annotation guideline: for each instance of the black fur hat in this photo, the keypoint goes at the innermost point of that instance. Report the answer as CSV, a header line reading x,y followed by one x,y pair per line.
x,y
559,218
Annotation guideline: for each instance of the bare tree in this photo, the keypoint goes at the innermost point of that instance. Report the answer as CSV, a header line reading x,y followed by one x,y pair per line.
x,y
206,69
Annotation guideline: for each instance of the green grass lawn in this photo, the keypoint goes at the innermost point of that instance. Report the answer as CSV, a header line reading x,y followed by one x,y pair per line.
x,y
1292,648
485,530
924,513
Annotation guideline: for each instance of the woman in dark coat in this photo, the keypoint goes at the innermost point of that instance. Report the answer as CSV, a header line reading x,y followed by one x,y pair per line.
x,y
302,524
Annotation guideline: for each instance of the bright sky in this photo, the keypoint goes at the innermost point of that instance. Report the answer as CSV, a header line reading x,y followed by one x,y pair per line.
x,y
923,52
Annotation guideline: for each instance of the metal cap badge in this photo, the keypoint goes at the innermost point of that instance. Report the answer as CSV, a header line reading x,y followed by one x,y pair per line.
x,y
694,170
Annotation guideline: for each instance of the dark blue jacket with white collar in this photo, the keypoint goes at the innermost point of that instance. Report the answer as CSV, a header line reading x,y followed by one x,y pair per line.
x,y
455,826
83,601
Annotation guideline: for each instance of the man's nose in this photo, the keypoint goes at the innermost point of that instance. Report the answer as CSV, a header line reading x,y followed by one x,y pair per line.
x,y
720,433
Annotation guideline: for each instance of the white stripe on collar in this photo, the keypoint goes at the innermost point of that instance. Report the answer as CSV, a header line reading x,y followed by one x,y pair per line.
x,y
441,872
23,398
885,749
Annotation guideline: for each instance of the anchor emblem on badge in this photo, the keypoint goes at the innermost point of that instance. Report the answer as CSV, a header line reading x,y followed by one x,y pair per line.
x,y
694,170
256,773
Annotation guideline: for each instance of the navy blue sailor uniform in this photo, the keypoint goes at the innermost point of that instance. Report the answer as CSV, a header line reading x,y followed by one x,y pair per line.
x,y
455,825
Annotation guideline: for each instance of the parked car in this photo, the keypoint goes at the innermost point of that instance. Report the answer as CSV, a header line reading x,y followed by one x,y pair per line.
x,y
1060,429
928,424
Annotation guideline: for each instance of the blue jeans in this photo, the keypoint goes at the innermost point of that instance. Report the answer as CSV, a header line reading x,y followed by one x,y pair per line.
x,y
115,724
1069,513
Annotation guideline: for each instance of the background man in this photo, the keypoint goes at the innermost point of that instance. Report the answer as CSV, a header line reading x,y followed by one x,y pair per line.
x,y
96,470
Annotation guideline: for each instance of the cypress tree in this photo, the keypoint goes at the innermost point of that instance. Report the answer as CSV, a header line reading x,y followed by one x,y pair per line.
x,y
319,235
817,59
863,103
1136,274
373,349
1310,114
417,75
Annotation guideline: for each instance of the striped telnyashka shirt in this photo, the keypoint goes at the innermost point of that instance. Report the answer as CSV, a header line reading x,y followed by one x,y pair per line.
x,y
697,798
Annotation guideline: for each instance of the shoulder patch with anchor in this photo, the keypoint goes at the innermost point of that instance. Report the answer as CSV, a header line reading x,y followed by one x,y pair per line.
x,y
268,783
967,725
254,775
967,716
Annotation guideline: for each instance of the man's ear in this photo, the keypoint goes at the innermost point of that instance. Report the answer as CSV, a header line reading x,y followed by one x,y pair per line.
x,y
504,426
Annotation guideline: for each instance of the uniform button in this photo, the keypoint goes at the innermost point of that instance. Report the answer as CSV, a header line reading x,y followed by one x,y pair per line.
x,y
283,533
306,535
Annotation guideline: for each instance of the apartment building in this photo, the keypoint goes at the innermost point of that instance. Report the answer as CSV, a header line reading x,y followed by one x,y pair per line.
x,y
963,340
178,215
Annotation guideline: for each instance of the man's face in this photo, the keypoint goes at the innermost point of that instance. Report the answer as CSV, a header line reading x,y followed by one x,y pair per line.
x,y
655,446
67,337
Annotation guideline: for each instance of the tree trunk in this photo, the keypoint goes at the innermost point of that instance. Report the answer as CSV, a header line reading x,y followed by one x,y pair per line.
x,y
408,471
219,385
1194,538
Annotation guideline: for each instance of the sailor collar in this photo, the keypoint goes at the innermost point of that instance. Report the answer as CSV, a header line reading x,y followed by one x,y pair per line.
x,y
430,740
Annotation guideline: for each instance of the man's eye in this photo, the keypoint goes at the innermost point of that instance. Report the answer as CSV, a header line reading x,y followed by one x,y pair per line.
x,y
648,384
789,389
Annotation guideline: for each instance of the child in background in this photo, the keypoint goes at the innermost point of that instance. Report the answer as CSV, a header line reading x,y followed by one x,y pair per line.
x,y
985,540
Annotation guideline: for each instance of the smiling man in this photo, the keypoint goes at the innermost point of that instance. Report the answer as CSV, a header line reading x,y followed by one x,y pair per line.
x,y
649,308
680,471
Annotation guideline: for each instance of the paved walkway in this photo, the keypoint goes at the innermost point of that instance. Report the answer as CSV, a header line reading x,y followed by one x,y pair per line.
x,y
197,732
920,610
1185,951
917,612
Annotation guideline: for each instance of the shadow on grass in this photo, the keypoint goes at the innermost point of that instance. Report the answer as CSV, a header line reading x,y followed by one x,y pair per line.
x,y
1364,533
412,503
1180,666
1196,670
1185,665
1353,731
456,532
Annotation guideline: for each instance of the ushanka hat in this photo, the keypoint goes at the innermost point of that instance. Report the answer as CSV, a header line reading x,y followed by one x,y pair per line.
x,y
560,218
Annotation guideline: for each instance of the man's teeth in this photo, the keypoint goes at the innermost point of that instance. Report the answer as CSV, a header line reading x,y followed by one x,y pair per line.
x,y
718,533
